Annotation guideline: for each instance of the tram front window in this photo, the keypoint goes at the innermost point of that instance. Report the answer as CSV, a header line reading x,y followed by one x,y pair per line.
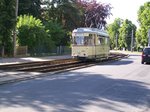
x,y
80,40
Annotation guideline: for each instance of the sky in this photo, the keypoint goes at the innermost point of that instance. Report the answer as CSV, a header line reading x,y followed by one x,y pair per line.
x,y
124,9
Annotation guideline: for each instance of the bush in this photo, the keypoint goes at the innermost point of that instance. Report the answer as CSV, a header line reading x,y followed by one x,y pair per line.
x,y
31,32
56,31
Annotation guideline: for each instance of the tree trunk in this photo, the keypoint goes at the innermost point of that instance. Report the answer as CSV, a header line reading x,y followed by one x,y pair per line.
x,y
3,51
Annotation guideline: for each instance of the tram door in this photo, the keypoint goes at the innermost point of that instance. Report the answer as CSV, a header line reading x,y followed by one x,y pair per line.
x,y
88,45
100,47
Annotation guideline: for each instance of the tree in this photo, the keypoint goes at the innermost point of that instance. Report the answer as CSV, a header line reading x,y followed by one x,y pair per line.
x,y
57,33
7,24
113,30
65,15
94,13
32,33
141,38
63,12
78,13
125,34
31,7
144,22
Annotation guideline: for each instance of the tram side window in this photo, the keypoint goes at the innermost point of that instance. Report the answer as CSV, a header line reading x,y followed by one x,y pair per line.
x,y
101,41
88,41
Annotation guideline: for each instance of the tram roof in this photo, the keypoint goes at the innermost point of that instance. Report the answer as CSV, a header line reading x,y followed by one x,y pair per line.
x,y
91,30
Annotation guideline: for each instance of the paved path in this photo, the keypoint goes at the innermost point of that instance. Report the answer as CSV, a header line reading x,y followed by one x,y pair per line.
x,y
12,76
30,59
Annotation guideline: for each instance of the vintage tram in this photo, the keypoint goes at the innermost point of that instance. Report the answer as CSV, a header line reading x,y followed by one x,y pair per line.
x,y
90,43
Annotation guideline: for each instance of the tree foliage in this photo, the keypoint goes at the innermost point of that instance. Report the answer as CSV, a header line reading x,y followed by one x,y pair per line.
x,y
120,32
95,13
57,33
125,34
113,30
144,22
64,12
7,23
33,34
78,13
31,7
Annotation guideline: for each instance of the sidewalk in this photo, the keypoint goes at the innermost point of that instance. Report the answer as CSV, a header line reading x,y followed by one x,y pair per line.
x,y
15,76
126,52
30,59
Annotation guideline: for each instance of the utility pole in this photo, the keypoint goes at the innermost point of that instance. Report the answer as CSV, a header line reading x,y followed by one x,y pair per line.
x,y
149,37
132,41
117,41
15,33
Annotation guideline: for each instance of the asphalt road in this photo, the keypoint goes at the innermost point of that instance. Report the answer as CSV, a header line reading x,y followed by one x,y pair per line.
x,y
120,86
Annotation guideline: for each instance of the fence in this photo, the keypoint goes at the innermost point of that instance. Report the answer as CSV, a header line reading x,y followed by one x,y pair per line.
x,y
21,50
59,50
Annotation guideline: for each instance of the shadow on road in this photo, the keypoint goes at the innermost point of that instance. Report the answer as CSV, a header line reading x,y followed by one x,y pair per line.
x,y
117,62
63,93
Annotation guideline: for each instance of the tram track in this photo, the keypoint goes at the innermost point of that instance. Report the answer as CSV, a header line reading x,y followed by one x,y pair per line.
x,y
25,71
49,68
55,65
37,64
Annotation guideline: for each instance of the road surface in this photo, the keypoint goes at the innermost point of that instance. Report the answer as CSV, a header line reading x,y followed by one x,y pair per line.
x,y
120,86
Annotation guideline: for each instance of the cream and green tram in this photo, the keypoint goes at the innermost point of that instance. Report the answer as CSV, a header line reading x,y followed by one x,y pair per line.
x,y
90,43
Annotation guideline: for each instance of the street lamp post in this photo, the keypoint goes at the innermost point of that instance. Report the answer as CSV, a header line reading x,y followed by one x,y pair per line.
x,y
132,41
15,33
116,41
